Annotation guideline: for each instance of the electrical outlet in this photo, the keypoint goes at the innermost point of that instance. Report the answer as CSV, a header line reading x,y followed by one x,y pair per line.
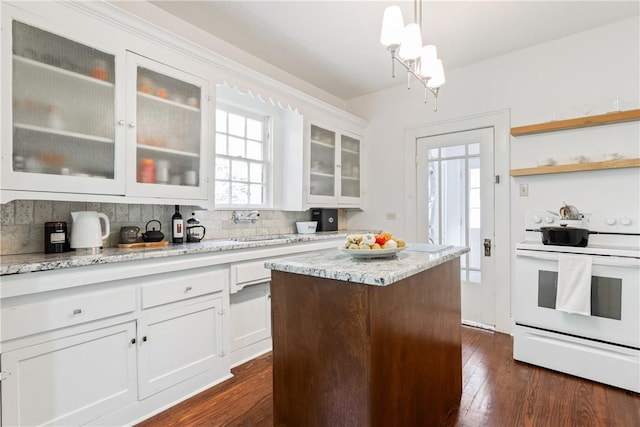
x,y
391,216
524,190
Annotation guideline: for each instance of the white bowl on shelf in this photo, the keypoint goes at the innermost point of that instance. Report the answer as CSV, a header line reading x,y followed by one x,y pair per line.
x,y
306,227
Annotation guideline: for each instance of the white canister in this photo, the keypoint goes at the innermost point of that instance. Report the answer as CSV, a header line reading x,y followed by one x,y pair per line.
x,y
162,171
190,177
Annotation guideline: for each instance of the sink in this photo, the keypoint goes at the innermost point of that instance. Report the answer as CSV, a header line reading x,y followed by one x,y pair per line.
x,y
258,238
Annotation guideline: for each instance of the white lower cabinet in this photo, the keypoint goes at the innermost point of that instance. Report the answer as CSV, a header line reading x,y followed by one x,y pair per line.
x,y
250,322
113,352
177,344
71,380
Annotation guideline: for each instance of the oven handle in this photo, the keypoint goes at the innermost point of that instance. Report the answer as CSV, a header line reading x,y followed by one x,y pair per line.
x,y
598,260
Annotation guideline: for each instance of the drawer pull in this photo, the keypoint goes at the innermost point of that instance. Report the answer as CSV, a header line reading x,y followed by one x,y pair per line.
x,y
188,288
77,311
144,339
133,340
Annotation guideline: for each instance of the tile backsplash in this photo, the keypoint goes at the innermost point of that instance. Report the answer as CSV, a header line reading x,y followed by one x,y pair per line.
x,y
22,221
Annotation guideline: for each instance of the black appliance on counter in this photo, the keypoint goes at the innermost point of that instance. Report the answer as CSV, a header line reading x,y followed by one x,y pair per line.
x,y
327,219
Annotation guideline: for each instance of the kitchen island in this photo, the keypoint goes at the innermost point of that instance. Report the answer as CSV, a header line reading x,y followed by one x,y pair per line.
x,y
366,342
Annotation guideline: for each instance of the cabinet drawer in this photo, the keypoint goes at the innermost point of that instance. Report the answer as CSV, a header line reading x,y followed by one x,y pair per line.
x,y
28,319
180,286
248,273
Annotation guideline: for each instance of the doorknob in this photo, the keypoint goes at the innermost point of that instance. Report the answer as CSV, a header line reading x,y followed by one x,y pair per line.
x,y
487,247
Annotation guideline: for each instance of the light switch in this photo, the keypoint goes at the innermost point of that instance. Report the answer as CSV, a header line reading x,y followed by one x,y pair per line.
x,y
524,190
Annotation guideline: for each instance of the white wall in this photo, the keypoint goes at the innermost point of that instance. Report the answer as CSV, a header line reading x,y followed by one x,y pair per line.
x,y
578,75
585,71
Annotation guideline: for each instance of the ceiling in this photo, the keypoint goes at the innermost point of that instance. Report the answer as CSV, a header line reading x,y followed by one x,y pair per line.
x,y
335,46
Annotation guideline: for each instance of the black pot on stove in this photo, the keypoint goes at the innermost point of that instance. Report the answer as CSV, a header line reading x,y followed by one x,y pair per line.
x,y
565,236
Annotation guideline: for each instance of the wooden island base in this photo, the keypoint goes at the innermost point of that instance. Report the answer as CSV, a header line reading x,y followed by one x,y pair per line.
x,y
348,354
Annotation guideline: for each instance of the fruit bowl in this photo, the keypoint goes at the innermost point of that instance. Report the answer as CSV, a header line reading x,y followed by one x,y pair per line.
x,y
372,253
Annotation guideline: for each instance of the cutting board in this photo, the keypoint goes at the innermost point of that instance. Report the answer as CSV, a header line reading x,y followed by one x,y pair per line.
x,y
143,244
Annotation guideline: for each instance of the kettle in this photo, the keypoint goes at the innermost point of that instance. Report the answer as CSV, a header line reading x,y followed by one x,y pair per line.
x,y
86,232
569,212
153,235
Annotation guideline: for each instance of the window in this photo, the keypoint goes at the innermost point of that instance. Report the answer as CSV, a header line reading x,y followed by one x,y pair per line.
x,y
242,158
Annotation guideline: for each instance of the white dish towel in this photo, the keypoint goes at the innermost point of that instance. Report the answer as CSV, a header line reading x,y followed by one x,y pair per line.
x,y
574,284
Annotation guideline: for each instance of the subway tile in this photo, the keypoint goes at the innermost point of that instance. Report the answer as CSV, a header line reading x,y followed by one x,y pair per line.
x,y
24,212
135,214
7,213
122,213
43,212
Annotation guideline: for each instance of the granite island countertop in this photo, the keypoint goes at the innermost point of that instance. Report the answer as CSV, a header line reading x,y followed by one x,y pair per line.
x,y
28,263
335,264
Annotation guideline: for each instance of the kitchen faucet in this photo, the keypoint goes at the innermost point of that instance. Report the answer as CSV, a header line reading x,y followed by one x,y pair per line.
x,y
248,217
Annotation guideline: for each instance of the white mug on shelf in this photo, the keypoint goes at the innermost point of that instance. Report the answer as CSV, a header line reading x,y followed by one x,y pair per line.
x,y
190,177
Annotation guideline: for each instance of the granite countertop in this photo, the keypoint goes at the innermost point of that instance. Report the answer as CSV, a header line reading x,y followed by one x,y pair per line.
x,y
335,264
28,263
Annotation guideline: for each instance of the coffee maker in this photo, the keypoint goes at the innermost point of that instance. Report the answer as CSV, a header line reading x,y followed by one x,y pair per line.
x,y
327,219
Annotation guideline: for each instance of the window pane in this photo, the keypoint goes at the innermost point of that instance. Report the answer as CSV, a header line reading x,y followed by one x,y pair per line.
x,y
475,276
222,168
453,151
255,172
239,193
236,124
239,170
254,150
254,130
236,147
255,194
223,191
221,121
474,198
221,143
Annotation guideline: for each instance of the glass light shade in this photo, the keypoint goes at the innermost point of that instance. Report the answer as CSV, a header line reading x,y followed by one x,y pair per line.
x,y
392,26
437,77
411,46
428,60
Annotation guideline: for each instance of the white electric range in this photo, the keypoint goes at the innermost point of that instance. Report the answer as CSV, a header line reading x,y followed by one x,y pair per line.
x,y
603,346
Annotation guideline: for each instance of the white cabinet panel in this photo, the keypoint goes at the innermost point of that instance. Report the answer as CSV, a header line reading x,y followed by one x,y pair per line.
x,y
250,316
179,286
25,319
176,344
70,381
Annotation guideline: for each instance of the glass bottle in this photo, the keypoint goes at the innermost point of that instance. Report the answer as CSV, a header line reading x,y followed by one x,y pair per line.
x,y
177,226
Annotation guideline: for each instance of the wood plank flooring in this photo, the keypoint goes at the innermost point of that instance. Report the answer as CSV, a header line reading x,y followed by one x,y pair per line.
x,y
497,392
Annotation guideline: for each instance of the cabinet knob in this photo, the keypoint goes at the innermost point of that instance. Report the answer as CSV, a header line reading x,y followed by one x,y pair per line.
x,y
144,339
120,122
188,288
133,340
132,125
77,311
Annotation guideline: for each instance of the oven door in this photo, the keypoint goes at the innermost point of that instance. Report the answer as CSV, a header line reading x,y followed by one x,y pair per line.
x,y
615,298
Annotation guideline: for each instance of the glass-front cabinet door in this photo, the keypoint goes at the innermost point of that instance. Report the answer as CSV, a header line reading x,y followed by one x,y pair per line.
x,y
334,168
63,105
349,169
166,131
322,164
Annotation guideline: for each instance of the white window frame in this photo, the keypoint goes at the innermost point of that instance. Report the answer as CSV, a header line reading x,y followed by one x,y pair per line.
x,y
267,161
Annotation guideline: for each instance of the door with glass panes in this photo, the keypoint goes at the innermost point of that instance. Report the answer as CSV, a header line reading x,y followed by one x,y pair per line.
x,y
456,193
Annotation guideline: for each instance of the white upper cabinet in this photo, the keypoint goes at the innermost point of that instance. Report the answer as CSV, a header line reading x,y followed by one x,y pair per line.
x,y
84,115
334,168
167,116
62,108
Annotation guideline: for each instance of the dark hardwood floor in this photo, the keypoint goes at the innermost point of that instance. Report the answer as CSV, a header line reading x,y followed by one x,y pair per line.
x,y
497,392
